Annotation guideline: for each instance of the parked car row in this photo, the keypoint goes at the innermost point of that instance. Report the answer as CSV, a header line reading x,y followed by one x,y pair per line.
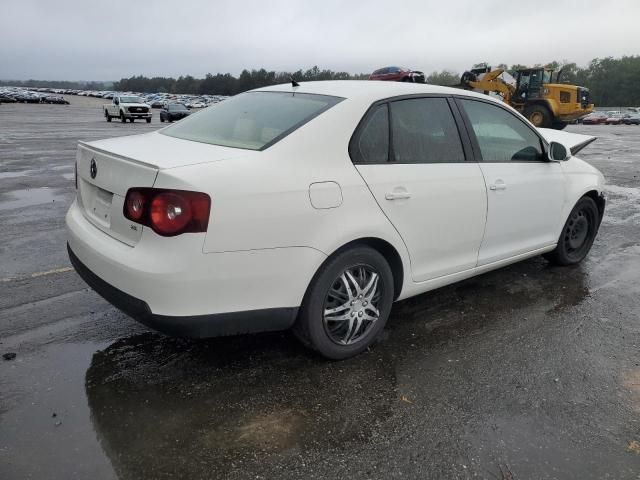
x,y
20,95
613,117
155,100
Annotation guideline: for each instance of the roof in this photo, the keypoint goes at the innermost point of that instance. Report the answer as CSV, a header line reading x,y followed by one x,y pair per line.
x,y
368,90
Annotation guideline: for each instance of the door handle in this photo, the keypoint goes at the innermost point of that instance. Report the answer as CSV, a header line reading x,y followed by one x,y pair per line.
x,y
499,185
397,195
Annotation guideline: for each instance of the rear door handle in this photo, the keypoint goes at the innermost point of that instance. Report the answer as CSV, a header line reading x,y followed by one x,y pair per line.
x,y
499,185
397,195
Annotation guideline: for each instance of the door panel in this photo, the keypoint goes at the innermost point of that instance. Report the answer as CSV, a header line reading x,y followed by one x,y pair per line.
x,y
525,192
439,210
524,205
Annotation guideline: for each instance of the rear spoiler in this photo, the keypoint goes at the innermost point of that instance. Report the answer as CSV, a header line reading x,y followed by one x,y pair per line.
x,y
573,141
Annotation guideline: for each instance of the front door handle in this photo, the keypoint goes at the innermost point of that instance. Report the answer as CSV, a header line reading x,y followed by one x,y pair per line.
x,y
397,195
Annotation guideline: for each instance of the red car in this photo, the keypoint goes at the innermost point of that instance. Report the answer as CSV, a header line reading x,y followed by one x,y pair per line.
x,y
397,74
595,118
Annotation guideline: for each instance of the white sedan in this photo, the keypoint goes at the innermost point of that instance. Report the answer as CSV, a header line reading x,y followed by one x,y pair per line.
x,y
317,206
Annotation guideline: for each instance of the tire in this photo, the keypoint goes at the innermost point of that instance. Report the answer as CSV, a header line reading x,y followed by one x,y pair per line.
x,y
577,235
559,125
539,115
148,120
131,120
122,117
107,116
161,119
339,338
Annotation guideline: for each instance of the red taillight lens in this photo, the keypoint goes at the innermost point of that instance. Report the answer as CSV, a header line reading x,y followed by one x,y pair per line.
x,y
134,205
168,212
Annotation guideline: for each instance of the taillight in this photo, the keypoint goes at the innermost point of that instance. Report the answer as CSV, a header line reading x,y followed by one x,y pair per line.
x,y
168,212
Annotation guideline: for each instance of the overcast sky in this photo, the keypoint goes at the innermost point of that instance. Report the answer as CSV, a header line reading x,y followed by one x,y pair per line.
x,y
91,40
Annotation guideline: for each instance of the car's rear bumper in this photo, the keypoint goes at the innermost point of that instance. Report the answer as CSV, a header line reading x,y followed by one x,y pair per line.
x,y
198,326
171,284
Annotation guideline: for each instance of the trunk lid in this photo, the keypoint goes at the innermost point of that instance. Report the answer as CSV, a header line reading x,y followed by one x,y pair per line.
x,y
103,181
107,169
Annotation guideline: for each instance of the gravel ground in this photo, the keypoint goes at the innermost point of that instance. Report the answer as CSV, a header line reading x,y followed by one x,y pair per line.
x,y
528,372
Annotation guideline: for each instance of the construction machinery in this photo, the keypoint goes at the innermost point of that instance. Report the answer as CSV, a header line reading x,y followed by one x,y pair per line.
x,y
535,92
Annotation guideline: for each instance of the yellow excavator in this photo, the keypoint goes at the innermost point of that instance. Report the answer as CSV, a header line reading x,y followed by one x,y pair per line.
x,y
534,92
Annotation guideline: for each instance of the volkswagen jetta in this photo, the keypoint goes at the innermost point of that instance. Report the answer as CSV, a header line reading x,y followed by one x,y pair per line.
x,y
317,206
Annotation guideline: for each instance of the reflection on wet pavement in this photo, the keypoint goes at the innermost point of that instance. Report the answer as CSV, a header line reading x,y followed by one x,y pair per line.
x,y
30,197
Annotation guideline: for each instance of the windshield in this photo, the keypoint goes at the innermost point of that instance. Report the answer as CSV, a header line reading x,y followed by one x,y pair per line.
x,y
177,108
253,120
131,100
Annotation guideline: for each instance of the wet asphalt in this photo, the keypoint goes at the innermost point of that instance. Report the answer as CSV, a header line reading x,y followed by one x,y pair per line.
x,y
528,372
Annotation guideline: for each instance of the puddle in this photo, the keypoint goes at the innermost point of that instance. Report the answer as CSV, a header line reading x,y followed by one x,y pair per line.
x,y
30,197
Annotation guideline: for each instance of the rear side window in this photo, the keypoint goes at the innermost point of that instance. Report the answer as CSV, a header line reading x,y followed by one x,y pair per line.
x,y
253,120
423,130
372,144
502,137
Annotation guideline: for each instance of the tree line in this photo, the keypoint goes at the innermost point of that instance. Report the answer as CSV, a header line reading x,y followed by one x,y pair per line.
x,y
612,81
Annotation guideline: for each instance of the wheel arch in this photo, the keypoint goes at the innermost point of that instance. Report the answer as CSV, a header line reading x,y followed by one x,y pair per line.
x,y
598,198
388,251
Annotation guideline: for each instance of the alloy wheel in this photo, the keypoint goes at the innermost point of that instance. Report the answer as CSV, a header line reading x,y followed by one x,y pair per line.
x,y
351,307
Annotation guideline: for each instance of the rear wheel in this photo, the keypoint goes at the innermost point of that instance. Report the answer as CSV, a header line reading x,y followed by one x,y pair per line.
x,y
577,235
107,116
539,115
347,304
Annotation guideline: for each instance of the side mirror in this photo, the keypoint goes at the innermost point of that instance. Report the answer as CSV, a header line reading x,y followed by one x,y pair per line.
x,y
557,152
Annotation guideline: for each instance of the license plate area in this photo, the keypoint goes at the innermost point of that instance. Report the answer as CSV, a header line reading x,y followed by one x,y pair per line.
x,y
101,206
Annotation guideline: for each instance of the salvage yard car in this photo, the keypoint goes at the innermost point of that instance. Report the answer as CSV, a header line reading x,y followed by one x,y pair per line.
x,y
173,111
127,107
315,207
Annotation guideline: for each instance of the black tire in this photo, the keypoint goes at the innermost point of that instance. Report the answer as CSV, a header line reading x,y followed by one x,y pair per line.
x,y
122,118
107,116
131,120
316,333
539,115
148,120
161,119
559,125
407,79
577,235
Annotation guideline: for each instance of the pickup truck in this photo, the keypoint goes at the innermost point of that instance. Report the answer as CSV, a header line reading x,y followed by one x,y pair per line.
x,y
127,107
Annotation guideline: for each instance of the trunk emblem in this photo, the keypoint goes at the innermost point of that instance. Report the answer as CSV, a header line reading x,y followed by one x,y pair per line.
x,y
94,168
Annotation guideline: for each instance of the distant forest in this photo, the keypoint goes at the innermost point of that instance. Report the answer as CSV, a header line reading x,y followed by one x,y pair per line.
x,y
612,81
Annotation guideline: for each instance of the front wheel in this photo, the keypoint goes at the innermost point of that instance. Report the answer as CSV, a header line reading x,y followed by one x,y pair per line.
x,y
578,234
148,120
122,118
347,304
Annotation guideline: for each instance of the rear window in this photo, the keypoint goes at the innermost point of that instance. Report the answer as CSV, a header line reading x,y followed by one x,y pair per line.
x,y
252,120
